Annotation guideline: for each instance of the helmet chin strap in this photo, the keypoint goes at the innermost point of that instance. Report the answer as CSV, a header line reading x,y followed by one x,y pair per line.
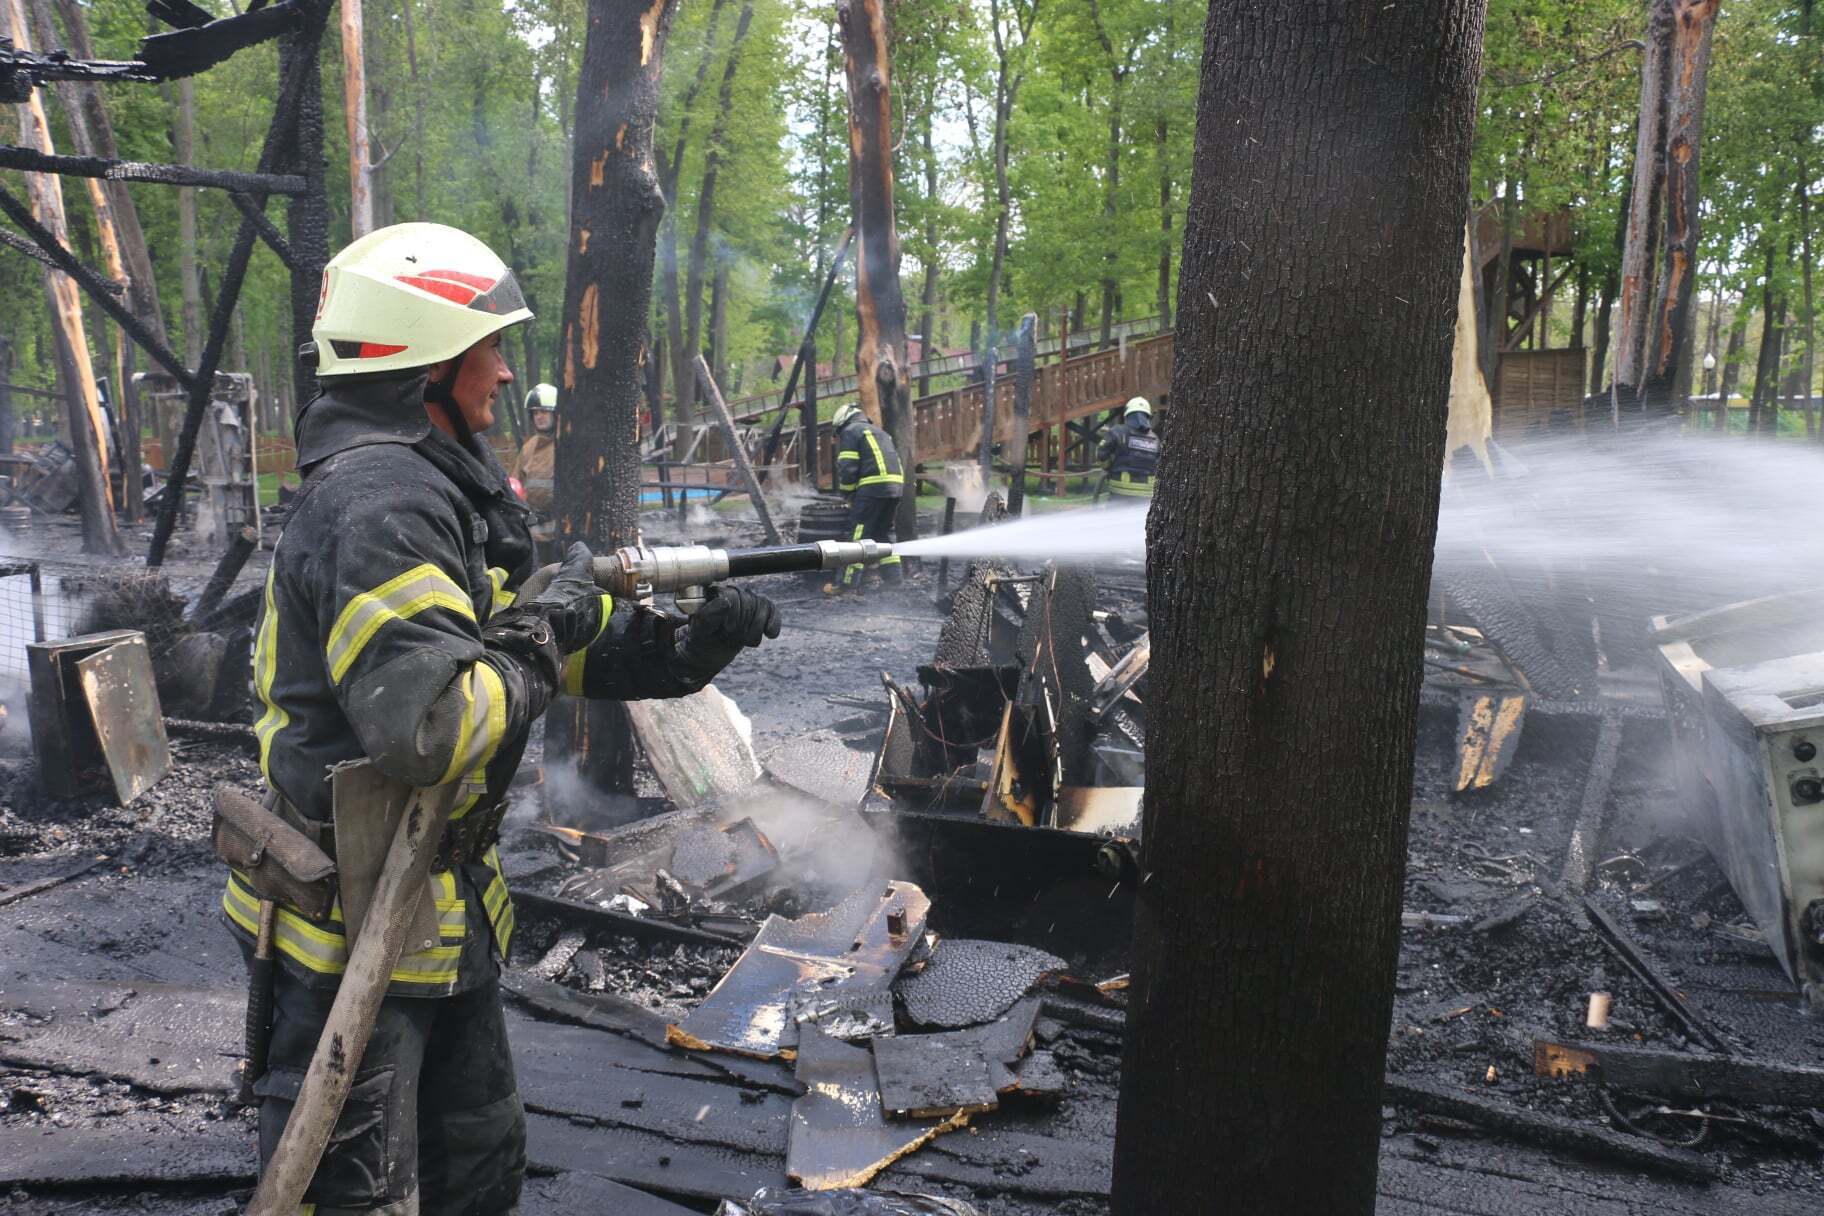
x,y
442,394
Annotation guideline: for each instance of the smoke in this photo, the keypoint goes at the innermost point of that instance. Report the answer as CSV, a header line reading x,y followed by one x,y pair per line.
x,y
1666,522
822,847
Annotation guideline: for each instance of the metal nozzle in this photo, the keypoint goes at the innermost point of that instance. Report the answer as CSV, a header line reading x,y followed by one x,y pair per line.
x,y
633,568
839,553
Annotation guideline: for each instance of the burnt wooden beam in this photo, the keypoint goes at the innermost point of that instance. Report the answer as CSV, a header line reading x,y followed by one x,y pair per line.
x,y
1683,1076
1525,320
1623,947
269,231
1549,1131
807,347
33,161
186,52
101,290
736,452
643,928
13,240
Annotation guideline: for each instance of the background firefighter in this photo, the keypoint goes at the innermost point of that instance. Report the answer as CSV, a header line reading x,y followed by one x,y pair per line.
x,y
391,634
535,463
868,471
1130,451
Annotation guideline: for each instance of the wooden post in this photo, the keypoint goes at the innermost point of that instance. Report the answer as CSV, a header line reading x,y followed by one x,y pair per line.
x,y
1024,358
883,388
615,208
736,452
807,417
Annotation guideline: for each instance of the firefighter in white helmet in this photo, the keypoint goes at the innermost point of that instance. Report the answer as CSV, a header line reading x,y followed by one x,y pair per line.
x,y
391,634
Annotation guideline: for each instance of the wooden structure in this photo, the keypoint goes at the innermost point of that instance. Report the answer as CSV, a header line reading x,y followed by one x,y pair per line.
x,y
1540,391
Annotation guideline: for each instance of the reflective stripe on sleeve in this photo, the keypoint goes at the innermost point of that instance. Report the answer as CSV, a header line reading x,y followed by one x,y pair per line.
x,y
578,660
502,597
396,599
265,666
484,721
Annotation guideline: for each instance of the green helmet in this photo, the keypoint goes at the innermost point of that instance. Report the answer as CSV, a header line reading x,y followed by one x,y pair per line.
x,y
542,397
844,415
1137,405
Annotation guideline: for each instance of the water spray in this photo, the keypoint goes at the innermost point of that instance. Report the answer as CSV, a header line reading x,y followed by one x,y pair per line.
x,y
688,571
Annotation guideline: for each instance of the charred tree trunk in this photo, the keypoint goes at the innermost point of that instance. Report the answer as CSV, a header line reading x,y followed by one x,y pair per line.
x,y
307,217
183,150
718,324
706,197
1267,926
354,110
615,207
6,396
83,405
1495,339
1111,186
1025,365
882,386
1644,201
1668,370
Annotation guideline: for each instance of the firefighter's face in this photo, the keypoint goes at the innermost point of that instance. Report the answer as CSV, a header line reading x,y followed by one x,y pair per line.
x,y
544,421
480,374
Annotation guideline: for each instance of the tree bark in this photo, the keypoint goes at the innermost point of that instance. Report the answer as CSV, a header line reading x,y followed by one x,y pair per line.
x,y
88,430
718,323
1767,360
615,205
1732,361
1025,360
1668,371
354,111
1267,925
1644,201
706,193
1496,339
6,396
882,387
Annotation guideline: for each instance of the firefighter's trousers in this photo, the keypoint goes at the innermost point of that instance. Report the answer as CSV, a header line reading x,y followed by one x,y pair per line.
x,y
873,519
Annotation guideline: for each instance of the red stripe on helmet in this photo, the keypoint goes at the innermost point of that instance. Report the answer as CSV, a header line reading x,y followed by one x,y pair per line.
x,y
480,283
375,350
456,293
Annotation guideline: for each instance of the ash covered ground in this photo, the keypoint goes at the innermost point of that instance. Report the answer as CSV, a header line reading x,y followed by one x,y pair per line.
x,y
129,1111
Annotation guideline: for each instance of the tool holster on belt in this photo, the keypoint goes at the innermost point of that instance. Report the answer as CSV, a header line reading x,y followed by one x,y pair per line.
x,y
281,863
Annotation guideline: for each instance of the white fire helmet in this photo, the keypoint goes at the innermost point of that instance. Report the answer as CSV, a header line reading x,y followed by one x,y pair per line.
x,y
409,296
844,415
1138,405
542,397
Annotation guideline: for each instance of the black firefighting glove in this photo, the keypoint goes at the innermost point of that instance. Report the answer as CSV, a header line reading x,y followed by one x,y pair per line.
x,y
731,619
537,632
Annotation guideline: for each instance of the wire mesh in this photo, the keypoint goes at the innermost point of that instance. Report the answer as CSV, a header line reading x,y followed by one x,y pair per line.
x,y
47,599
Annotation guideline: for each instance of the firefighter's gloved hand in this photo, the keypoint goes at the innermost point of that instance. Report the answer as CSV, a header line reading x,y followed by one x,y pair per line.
x,y
571,604
731,619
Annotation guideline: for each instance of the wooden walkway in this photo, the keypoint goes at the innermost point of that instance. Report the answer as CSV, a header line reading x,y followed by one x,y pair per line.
x,y
1070,396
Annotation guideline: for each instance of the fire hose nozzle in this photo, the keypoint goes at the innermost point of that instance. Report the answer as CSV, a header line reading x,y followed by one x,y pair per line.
x,y
639,570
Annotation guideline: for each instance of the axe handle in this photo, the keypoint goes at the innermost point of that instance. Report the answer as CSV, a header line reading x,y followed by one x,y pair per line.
x,y
371,960
259,1001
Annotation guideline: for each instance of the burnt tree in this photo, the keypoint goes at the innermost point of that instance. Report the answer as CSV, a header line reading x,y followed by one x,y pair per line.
x,y
615,208
881,366
706,209
1668,364
1287,577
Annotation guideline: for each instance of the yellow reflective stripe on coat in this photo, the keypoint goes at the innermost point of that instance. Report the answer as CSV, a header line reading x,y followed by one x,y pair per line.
x,y
848,455
324,949
502,597
265,666
396,599
577,660
484,721
497,902
880,462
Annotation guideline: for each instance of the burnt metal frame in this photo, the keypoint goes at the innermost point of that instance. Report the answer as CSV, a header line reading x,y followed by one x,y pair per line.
x,y
291,164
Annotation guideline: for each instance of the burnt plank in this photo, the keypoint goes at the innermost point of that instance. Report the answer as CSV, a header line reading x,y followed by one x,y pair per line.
x,y
133,1149
835,968
648,1161
1549,1131
839,1137
160,1037
1688,1076
579,1191
922,1077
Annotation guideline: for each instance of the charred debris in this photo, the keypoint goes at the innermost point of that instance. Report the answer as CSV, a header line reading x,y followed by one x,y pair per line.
x,y
889,977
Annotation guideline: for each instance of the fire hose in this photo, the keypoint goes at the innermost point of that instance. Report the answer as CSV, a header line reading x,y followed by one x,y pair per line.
x,y
688,571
